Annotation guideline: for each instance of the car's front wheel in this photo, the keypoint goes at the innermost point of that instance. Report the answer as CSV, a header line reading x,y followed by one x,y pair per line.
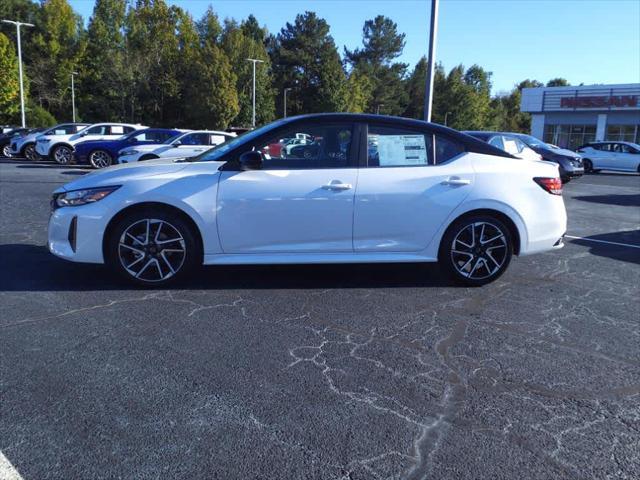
x,y
100,159
30,153
6,151
476,250
588,165
152,248
62,154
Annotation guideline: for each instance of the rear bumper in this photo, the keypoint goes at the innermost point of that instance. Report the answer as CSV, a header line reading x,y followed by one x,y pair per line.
x,y
546,229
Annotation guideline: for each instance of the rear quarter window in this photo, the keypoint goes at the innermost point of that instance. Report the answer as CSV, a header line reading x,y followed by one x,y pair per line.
x,y
446,149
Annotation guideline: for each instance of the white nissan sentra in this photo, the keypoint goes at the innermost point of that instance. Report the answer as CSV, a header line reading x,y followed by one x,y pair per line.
x,y
366,188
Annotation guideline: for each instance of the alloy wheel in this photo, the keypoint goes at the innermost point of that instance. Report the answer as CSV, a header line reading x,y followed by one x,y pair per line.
x,y
100,159
30,153
479,250
6,151
152,250
62,155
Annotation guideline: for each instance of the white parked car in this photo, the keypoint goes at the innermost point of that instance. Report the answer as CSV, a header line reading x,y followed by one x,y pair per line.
x,y
188,144
419,193
26,146
618,156
60,147
509,143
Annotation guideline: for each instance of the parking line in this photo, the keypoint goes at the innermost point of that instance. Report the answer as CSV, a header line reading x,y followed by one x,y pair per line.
x,y
8,471
603,241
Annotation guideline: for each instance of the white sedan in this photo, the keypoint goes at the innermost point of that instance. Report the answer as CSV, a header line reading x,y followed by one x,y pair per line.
x,y
617,156
187,144
419,193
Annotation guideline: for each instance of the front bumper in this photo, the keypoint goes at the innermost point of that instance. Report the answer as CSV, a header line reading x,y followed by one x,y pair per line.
x,y
75,233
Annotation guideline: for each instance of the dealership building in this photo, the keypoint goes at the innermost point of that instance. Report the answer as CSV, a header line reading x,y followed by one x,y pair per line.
x,y
572,116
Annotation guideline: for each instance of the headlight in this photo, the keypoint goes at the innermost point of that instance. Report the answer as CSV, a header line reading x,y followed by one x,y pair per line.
x,y
129,152
82,197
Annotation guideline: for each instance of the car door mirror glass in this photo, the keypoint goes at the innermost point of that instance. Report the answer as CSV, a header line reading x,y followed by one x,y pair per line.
x,y
251,160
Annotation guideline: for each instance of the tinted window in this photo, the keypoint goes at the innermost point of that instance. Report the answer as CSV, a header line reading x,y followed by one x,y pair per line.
x,y
318,146
195,139
397,147
97,130
446,149
129,129
496,142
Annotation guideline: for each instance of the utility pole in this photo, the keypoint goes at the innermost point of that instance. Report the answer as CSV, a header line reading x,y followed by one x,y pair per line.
x,y
445,118
18,25
254,61
73,97
285,101
433,33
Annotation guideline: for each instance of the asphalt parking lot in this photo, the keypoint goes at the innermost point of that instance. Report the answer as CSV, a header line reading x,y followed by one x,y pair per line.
x,y
323,372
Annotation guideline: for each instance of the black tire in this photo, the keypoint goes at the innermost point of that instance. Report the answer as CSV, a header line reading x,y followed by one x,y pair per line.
x,y
62,154
565,179
484,262
6,151
588,165
29,152
153,261
147,157
100,159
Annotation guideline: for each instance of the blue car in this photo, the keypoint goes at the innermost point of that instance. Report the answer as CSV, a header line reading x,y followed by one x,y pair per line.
x,y
102,153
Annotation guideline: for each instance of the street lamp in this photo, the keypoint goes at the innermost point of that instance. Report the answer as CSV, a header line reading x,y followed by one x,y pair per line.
x,y
73,97
18,25
254,61
445,118
285,100
428,94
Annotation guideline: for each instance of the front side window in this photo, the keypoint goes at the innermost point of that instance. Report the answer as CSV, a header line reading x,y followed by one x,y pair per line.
x,y
397,147
195,139
315,146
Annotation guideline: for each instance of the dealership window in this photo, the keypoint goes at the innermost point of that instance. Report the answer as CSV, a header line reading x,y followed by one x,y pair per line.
x,y
569,136
623,133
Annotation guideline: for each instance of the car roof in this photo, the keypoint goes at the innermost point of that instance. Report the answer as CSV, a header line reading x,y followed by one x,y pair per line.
x,y
470,142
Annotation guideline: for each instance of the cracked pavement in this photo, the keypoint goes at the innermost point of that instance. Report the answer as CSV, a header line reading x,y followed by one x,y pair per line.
x,y
323,372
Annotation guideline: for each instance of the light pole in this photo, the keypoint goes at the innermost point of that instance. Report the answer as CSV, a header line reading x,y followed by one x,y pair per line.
x,y
254,61
18,25
433,33
445,118
73,97
285,101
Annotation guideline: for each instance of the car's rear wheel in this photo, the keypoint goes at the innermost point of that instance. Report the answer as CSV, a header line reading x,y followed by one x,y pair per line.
x,y
6,151
29,152
152,248
62,154
100,159
588,165
476,250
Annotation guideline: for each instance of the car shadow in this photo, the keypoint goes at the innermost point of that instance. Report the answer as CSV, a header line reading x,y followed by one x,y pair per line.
x,y
29,267
631,200
630,253
54,166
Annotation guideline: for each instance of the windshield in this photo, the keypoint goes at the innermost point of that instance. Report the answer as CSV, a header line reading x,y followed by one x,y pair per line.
x,y
532,141
218,151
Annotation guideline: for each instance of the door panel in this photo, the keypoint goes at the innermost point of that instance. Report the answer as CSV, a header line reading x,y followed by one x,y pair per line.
x,y
295,211
400,209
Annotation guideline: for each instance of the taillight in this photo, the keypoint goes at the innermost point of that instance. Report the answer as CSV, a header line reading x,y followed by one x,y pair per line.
x,y
552,185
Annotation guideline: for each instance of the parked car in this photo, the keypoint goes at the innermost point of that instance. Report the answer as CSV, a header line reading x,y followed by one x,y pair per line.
x,y
7,137
25,146
102,153
187,144
507,142
431,194
60,146
618,156
570,163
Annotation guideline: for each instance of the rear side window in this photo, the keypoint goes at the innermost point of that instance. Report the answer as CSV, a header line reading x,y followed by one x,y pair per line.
x,y
447,149
397,147
117,130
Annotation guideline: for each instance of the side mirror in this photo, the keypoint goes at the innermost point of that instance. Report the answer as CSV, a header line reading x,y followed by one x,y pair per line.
x,y
251,161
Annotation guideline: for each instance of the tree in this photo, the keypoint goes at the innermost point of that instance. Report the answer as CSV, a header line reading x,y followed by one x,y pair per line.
x,y
510,118
9,83
104,80
239,44
558,82
381,45
416,84
358,94
305,58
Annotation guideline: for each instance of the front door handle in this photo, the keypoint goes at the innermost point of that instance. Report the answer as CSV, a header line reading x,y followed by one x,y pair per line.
x,y
456,181
337,186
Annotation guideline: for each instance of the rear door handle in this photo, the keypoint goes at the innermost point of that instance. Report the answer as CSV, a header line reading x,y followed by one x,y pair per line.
x,y
337,185
456,181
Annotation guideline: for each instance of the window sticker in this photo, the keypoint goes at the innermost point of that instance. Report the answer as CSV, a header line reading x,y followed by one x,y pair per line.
x,y
402,150
117,130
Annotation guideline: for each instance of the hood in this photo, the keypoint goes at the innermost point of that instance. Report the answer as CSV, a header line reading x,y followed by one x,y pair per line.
x,y
127,172
553,152
565,152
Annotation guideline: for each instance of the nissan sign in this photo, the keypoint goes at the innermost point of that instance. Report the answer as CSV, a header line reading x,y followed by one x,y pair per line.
x,y
599,101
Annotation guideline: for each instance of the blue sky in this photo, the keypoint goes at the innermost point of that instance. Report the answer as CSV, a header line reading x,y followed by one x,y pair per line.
x,y
584,41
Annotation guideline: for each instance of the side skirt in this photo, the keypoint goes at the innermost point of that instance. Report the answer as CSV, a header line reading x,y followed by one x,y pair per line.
x,y
311,258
